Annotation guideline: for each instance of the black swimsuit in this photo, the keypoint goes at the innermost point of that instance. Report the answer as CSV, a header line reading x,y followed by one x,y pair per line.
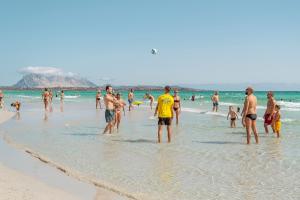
x,y
252,116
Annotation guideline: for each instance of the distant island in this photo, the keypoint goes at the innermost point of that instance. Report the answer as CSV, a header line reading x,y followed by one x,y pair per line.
x,y
59,82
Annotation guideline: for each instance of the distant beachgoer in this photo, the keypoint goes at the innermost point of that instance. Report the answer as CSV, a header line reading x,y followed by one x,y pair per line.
x,y
249,114
119,106
238,109
193,98
98,99
17,105
50,96
269,113
62,96
109,101
177,105
233,117
130,99
277,121
164,109
150,97
1,99
215,100
46,98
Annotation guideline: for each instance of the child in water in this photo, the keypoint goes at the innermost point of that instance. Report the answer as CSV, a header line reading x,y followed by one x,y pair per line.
x,y
276,121
233,117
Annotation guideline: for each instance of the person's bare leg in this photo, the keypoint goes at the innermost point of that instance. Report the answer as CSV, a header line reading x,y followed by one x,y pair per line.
x,y
217,107
159,133
169,129
177,117
106,128
118,120
234,124
248,130
254,129
278,134
151,103
266,129
110,127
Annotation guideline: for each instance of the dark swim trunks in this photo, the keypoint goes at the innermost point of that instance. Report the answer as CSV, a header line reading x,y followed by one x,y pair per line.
x,y
215,104
252,116
233,119
109,115
130,101
164,121
267,121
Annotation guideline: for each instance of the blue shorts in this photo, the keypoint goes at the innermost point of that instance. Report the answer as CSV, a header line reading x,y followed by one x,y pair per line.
x,y
130,101
109,115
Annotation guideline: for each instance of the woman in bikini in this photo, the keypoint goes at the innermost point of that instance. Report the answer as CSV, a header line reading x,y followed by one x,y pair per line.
x,y
46,96
177,105
119,106
98,98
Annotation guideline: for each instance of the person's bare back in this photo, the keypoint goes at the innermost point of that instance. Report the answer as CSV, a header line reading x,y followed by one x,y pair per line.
x,y
252,103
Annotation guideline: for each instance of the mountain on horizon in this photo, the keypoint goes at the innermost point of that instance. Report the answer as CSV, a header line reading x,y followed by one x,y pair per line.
x,y
52,81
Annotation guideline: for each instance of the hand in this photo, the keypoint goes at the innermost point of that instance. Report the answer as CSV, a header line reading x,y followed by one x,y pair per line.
x,y
244,122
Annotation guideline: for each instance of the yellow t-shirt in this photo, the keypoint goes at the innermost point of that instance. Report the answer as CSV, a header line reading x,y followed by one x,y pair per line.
x,y
165,105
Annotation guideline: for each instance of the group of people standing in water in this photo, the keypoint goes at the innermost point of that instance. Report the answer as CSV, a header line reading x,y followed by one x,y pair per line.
x,y
169,106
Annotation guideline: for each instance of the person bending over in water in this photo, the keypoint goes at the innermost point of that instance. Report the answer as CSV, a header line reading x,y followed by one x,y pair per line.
x,y
276,121
177,105
130,99
269,113
98,99
164,109
215,100
109,101
119,106
249,114
17,105
150,97
46,97
233,117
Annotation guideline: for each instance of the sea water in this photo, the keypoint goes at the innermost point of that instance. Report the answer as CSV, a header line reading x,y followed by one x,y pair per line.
x,y
206,159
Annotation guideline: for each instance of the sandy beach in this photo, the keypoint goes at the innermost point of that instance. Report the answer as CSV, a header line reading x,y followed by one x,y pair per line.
x,y
23,177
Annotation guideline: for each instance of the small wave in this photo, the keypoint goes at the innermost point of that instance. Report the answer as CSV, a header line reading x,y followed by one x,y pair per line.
x,y
288,120
228,104
215,113
28,97
72,97
191,110
289,104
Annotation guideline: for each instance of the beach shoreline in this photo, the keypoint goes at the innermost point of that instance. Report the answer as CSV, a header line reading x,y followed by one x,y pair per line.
x,y
26,175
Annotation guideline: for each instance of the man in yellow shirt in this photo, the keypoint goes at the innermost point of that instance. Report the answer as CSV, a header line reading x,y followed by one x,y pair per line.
x,y
164,109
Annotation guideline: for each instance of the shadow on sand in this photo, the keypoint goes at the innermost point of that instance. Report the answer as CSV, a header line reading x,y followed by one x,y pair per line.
x,y
217,142
137,141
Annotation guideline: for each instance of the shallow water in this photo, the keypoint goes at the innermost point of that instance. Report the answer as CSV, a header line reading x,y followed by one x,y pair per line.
x,y
206,159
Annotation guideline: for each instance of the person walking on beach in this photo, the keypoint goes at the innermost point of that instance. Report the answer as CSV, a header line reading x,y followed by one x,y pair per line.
x,y
45,97
119,106
1,99
109,101
233,117
98,99
130,99
164,109
215,101
269,113
177,105
62,96
150,97
249,114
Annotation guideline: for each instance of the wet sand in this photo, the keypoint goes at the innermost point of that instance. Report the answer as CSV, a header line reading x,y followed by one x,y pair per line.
x,y
24,177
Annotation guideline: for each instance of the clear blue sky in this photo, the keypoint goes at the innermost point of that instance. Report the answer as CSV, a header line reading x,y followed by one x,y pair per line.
x,y
198,41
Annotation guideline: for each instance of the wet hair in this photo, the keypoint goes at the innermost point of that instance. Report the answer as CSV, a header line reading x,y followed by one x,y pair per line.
x,y
62,91
107,87
167,88
277,106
